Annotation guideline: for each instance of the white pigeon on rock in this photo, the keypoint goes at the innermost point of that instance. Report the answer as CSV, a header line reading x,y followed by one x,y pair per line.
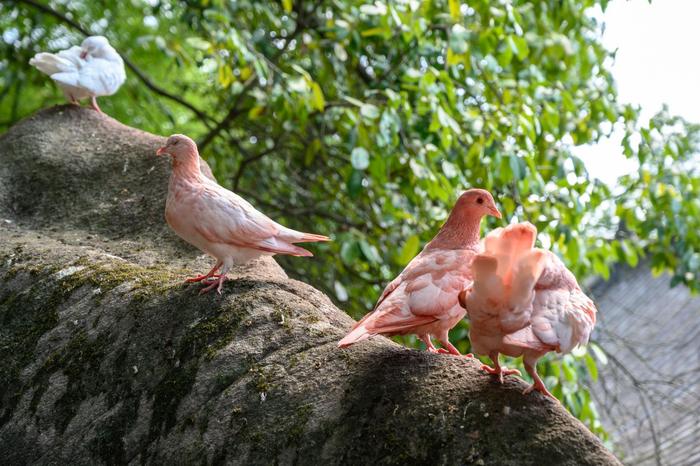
x,y
92,70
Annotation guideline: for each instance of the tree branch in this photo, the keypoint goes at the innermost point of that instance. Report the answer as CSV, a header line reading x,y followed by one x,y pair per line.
x,y
252,158
137,71
296,212
234,112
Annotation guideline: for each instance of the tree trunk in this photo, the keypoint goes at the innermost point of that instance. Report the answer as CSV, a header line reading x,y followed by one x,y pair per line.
x,y
107,357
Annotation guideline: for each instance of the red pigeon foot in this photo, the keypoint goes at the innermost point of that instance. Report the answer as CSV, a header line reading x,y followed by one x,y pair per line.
x,y
200,278
500,371
539,386
218,284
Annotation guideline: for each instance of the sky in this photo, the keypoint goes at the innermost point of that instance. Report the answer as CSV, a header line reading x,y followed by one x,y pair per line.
x,y
657,62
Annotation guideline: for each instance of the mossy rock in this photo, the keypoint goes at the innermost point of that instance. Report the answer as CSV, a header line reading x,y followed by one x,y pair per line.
x,y
107,357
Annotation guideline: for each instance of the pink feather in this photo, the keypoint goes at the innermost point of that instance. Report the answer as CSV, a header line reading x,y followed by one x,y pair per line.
x,y
422,300
524,301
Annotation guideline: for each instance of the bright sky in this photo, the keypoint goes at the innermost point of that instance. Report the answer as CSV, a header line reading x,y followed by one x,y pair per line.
x,y
657,62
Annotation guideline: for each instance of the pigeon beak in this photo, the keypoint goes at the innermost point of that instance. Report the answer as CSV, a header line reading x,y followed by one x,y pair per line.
x,y
161,151
83,54
495,212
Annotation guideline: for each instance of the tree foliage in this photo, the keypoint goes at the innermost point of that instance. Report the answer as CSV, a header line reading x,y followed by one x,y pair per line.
x,y
364,120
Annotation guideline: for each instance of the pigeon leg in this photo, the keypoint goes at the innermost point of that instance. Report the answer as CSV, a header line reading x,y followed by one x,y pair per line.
x,y
449,348
73,100
531,368
93,104
425,338
497,369
209,274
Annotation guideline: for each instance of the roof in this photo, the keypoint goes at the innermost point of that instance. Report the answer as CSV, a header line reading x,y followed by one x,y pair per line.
x,y
649,392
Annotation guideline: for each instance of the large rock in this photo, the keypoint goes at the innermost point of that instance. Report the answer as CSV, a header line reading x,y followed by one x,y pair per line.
x,y
106,357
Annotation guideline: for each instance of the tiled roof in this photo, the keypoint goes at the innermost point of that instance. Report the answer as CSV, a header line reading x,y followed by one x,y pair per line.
x,y
649,393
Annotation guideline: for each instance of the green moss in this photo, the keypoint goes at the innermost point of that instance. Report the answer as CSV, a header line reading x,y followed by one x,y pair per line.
x,y
79,361
293,361
260,382
310,318
283,317
24,318
203,340
108,443
146,281
172,388
301,418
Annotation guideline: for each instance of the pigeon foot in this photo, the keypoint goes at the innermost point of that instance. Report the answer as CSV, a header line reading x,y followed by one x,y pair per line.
x,y
218,284
200,278
539,386
500,371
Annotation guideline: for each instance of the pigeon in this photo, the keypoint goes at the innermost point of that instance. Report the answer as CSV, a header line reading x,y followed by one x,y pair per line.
x,y
523,301
218,221
94,69
422,300
206,170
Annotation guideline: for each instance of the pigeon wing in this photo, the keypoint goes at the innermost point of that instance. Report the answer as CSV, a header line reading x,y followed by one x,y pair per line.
x,y
222,216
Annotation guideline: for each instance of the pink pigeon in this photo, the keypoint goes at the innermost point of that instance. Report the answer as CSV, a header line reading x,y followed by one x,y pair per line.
x,y
524,302
422,300
218,221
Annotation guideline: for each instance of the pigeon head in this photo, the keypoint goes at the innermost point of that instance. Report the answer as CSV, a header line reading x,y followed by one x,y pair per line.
x,y
95,46
477,202
463,224
180,148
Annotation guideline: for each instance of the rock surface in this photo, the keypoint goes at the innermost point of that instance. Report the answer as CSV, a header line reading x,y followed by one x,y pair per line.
x,y
106,357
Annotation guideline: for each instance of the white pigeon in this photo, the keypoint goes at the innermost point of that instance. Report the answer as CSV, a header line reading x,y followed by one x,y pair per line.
x,y
92,70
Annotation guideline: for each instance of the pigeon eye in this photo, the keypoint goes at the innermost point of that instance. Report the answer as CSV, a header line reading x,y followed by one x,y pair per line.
x,y
175,143
480,200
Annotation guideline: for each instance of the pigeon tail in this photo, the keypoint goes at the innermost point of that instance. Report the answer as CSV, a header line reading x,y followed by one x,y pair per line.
x,y
49,63
359,333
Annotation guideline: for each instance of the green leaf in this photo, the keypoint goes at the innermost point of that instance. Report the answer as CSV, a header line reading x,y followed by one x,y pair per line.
x,y
374,32
569,373
318,101
349,252
369,111
359,158
459,39
354,183
409,250
377,9
629,253
455,12
519,46
340,292
198,43
449,169
370,252
287,5
592,367
599,353
573,250
517,166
